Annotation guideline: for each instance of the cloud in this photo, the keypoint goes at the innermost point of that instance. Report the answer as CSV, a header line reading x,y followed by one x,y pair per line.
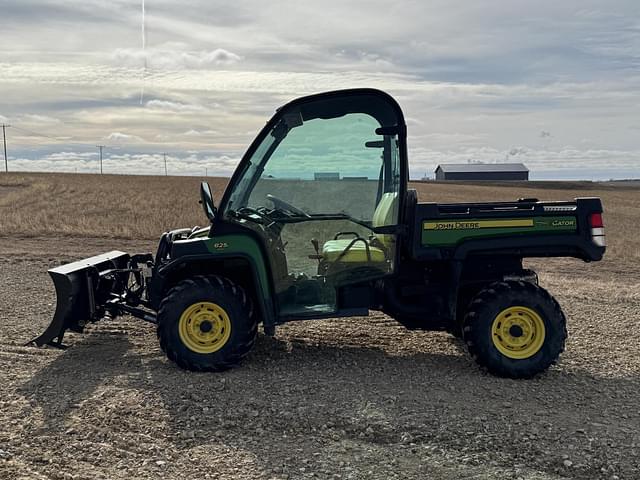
x,y
364,57
128,163
71,156
517,151
38,119
199,133
166,105
118,137
65,161
475,81
454,138
170,59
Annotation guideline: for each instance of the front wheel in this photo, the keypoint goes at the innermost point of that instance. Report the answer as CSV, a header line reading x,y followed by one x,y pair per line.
x,y
206,324
514,329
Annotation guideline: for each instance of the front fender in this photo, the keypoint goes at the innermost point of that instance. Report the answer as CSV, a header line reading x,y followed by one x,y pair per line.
x,y
202,256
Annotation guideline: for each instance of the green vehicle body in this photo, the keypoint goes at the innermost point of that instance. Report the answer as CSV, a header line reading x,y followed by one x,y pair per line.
x,y
445,235
220,253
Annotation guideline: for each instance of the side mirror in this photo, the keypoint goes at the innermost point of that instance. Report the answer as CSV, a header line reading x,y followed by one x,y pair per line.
x,y
206,199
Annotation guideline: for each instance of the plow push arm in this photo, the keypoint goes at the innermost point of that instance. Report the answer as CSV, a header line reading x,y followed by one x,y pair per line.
x,y
112,283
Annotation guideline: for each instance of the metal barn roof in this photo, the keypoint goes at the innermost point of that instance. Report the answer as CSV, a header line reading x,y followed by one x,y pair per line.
x,y
482,167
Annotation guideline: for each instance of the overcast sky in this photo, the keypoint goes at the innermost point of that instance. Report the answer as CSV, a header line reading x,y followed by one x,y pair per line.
x,y
554,84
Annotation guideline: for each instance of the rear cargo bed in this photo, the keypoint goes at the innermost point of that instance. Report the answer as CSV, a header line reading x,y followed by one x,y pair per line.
x,y
528,227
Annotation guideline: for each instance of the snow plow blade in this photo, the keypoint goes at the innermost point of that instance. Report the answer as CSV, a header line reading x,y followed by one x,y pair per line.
x,y
82,290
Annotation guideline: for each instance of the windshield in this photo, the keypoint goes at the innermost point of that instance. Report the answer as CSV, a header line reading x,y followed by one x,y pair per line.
x,y
326,165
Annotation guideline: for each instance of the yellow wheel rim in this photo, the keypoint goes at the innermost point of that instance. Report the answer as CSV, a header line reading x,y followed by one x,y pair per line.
x,y
204,327
518,332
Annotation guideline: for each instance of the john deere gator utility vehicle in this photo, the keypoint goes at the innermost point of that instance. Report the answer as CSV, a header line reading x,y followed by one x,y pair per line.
x,y
317,222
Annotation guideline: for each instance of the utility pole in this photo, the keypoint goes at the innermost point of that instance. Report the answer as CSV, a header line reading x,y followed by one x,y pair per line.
x,y
165,164
4,143
206,172
100,147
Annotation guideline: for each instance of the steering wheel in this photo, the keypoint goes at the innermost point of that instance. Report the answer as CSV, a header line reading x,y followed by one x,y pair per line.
x,y
282,205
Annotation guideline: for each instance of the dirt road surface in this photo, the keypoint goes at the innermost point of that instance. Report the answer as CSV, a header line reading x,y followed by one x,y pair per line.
x,y
334,399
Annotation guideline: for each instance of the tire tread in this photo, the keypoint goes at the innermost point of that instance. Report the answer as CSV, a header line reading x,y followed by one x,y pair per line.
x,y
214,285
476,322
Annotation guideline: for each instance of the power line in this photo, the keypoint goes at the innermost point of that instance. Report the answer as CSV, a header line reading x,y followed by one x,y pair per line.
x,y
36,133
100,147
4,144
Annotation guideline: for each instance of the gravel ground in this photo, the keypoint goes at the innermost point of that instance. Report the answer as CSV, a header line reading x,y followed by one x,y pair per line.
x,y
335,399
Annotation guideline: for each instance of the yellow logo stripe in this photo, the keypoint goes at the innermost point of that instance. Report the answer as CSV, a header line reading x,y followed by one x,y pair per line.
x,y
474,224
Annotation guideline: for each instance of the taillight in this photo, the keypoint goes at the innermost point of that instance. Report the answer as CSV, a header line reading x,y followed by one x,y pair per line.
x,y
597,229
595,220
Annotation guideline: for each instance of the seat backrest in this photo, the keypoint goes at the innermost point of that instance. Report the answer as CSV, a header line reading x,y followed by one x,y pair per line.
x,y
386,213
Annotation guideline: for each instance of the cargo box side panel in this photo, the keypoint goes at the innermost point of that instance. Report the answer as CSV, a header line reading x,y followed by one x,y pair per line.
x,y
451,232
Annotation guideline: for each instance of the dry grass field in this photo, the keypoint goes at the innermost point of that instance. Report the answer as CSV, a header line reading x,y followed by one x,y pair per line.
x,y
109,206
358,398
140,208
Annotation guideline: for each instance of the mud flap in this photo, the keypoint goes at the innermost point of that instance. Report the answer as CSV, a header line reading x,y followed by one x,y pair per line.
x,y
82,290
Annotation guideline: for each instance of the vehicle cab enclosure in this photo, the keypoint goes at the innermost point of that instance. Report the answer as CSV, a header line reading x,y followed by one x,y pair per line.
x,y
311,217
317,222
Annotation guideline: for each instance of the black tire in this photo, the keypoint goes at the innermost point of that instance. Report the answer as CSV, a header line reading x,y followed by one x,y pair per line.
x,y
227,295
485,308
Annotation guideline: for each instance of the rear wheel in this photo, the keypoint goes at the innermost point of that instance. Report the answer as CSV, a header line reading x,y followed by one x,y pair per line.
x,y
206,324
514,329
